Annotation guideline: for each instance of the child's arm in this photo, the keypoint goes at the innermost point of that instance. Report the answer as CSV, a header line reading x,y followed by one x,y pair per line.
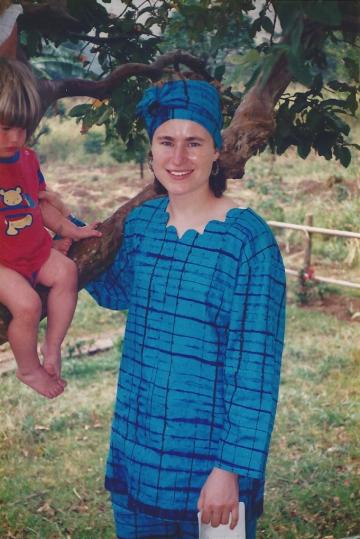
x,y
55,221
55,200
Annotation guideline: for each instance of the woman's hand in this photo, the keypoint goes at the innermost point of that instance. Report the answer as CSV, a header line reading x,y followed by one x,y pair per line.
x,y
218,498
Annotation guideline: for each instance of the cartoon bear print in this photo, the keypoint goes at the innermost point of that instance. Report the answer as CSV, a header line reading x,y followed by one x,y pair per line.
x,y
13,198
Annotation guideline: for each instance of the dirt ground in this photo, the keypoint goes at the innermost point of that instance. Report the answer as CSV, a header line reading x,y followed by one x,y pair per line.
x,y
342,307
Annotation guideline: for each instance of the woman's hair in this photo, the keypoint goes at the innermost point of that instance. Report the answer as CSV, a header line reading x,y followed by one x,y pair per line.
x,y
217,184
19,97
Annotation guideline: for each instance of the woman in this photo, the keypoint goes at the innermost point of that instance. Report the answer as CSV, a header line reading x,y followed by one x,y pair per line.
x,y
203,282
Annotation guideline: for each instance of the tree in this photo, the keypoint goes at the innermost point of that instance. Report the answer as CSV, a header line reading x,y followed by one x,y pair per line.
x,y
295,42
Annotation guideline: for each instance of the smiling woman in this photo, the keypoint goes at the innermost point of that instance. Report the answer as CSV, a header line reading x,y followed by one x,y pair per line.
x,y
204,285
183,156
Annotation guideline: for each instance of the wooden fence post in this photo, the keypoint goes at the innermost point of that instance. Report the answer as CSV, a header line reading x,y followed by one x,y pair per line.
x,y
308,242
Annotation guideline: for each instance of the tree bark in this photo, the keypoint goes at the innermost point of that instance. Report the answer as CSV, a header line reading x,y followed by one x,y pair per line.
x,y
52,90
254,121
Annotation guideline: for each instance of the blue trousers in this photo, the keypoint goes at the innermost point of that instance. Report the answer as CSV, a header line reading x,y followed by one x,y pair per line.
x,y
134,525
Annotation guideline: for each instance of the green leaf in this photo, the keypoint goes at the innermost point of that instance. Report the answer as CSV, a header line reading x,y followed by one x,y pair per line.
x,y
288,11
251,57
267,24
333,103
353,68
303,149
314,120
339,124
219,72
344,156
255,27
317,84
352,103
300,104
79,110
340,86
295,37
324,11
299,68
324,143
104,117
150,21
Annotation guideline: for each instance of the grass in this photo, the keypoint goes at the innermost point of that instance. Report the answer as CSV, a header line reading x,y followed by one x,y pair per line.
x,y
52,454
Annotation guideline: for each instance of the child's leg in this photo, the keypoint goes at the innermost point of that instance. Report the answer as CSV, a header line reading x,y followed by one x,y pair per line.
x,y
25,306
62,245
60,274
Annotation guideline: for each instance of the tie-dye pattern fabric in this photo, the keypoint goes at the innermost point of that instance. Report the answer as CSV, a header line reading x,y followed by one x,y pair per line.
x,y
194,100
200,368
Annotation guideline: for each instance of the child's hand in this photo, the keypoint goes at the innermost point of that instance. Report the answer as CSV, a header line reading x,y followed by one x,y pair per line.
x,y
88,231
55,200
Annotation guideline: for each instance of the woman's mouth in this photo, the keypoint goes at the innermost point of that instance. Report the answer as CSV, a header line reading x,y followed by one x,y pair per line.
x,y
180,174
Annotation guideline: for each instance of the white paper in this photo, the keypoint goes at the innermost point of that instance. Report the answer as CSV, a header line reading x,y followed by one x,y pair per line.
x,y
206,531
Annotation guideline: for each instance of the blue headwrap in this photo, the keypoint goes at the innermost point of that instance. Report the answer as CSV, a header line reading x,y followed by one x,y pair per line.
x,y
182,100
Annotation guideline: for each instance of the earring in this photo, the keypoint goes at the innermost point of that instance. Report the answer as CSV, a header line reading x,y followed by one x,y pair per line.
x,y
215,168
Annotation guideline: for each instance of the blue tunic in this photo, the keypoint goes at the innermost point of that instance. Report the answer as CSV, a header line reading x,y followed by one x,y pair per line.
x,y
200,368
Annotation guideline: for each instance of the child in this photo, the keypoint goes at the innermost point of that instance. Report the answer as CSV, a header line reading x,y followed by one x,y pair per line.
x,y
26,254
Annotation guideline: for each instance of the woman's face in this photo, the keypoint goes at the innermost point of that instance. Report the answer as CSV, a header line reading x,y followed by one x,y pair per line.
x,y
183,155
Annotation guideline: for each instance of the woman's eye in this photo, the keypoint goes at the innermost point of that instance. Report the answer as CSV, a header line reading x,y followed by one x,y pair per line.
x,y
194,144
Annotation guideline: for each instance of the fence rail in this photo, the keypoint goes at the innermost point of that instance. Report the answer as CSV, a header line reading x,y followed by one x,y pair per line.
x,y
309,230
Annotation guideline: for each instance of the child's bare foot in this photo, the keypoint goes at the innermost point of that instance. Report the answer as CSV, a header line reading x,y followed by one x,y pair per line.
x,y
52,363
62,245
39,380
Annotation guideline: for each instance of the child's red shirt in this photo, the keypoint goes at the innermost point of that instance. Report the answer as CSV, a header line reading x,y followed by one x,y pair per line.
x,y
25,244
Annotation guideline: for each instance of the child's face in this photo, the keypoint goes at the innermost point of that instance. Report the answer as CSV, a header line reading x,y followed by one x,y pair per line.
x,y
11,140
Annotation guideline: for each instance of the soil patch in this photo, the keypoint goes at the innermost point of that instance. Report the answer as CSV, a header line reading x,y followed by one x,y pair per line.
x,y
343,307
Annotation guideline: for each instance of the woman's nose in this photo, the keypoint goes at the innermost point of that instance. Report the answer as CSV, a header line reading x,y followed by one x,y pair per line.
x,y
179,154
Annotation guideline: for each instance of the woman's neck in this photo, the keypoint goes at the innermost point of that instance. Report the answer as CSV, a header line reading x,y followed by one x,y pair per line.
x,y
192,211
191,207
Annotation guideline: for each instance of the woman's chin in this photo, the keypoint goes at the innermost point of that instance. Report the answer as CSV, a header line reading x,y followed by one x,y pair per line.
x,y
176,185
179,189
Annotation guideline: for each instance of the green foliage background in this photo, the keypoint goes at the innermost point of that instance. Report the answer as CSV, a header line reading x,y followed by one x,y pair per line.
x,y
238,43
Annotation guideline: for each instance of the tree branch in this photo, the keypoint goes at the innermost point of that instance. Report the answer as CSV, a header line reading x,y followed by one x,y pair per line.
x,y
51,91
254,120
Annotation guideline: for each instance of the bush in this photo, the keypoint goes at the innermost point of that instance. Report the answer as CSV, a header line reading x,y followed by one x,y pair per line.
x,y
94,143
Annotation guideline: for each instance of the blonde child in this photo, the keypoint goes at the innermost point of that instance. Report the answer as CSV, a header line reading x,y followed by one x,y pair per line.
x,y
26,254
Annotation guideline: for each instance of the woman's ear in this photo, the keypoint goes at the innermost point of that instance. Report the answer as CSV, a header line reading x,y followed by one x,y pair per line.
x,y
216,155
